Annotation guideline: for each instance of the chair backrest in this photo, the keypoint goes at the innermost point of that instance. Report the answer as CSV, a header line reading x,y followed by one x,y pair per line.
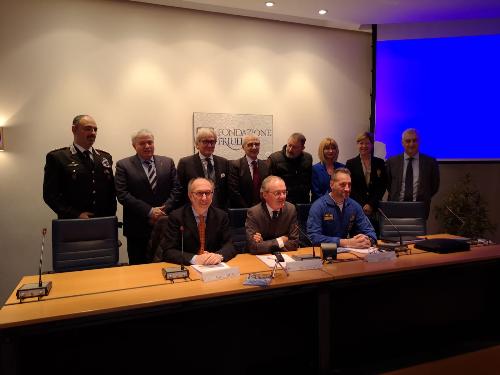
x,y
237,218
79,244
302,215
153,253
408,217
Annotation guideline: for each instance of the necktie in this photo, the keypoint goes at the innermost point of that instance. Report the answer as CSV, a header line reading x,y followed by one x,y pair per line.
x,y
201,232
256,182
88,159
151,174
275,214
408,197
210,169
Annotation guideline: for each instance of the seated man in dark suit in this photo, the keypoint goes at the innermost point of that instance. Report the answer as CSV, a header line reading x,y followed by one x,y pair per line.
x,y
205,164
272,225
246,174
412,176
205,229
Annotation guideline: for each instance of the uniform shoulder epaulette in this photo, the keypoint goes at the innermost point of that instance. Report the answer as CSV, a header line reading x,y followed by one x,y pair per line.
x,y
60,149
103,152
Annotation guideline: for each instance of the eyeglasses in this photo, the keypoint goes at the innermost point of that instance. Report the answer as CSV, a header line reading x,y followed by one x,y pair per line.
x,y
208,142
200,194
277,193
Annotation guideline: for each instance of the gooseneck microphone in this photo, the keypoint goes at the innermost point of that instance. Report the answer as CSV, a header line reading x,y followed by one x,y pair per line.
x,y
39,289
306,256
44,232
181,228
401,246
172,273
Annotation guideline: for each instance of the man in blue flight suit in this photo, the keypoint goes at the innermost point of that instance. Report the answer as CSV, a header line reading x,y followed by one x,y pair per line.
x,y
78,180
336,218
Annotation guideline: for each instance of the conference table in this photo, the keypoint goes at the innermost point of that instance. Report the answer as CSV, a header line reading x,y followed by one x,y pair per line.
x,y
349,314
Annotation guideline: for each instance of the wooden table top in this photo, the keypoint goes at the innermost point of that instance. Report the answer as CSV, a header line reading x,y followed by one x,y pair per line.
x,y
93,292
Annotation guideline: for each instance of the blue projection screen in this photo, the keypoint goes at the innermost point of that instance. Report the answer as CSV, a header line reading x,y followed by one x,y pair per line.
x,y
447,88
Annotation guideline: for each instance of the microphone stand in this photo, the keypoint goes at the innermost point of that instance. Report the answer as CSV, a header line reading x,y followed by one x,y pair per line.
x,y
39,289
306,256
278,258
398,249
172,273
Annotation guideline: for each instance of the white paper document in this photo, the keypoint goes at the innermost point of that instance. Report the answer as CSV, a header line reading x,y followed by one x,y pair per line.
x,y
215,272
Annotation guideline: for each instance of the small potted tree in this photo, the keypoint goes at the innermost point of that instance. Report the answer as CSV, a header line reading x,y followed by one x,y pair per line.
x,y
463,212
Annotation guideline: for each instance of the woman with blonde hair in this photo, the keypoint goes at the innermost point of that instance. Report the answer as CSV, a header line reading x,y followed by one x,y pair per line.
x,y
328,152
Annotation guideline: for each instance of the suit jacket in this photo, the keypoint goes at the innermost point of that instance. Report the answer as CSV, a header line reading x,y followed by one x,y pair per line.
x,y
72,186
134,192
218,237
240,182
373,192
258,220
428,178
191,167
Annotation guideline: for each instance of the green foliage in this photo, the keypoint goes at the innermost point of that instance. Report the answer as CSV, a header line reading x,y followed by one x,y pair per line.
x,y
466,202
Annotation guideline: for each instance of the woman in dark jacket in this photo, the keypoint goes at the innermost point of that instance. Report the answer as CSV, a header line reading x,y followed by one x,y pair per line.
x,y
369,178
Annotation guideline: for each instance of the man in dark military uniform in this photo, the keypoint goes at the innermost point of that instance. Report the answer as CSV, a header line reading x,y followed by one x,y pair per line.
x,y
78,180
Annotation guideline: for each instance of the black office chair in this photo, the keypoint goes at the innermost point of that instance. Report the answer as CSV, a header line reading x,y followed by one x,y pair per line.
x,y
302,215
237,218
408,217
79,244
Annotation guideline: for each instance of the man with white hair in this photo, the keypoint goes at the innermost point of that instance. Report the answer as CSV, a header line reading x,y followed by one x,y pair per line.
x,y
205,164
148,188
272,225
412,176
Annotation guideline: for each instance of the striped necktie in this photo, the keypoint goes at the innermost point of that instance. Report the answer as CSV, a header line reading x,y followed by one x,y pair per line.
x,y
151,174
201,232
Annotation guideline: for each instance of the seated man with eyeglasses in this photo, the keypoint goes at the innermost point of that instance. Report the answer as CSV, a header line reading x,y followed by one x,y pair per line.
x,y
203,229
272,225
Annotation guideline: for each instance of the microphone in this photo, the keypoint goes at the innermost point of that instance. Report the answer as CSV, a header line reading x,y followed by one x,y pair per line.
x,y
401,246
172,273
39,289
305,256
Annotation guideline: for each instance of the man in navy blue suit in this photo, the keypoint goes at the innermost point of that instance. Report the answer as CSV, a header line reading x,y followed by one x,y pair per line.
x,y
148,188
197,233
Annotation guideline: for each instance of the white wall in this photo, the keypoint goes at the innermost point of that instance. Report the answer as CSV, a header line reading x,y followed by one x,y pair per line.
x,y
134,65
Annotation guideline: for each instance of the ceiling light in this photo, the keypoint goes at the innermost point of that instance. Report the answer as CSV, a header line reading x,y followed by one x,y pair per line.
x,y
269,4
322,12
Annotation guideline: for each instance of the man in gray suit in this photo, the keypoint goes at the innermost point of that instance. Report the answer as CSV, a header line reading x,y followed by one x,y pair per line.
x,y
272,225
148,189
246,174
412,176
